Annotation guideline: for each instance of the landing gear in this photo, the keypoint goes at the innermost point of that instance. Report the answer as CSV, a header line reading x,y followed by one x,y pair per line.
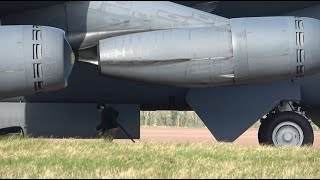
x,y
287,128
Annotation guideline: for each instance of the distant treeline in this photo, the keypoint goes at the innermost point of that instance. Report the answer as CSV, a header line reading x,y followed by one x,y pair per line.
x,y
178,119
170,118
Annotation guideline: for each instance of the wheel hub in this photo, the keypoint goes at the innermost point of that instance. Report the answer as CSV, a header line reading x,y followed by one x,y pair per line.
x,y
287,137
287,134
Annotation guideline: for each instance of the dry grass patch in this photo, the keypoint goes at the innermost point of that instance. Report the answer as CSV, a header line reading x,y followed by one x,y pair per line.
x,y
42,158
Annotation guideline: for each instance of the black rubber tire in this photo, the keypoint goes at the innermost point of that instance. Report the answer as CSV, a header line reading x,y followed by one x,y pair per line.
x,y
263,129
266,130
262,133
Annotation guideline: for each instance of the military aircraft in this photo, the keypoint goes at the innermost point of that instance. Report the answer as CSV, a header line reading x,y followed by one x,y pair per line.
x,y
233,63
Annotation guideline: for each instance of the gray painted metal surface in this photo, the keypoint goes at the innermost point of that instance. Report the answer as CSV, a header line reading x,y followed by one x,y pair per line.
x,y
87,86
230,111
166,45
12,114
250,50
66,119
85,23
33,59
176,57
310,86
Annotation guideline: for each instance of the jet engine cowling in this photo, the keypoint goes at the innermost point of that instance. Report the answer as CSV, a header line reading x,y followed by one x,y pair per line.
x,y
248,50
33,59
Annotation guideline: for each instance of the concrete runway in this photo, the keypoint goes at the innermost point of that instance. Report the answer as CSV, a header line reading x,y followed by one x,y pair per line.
x,y
197,135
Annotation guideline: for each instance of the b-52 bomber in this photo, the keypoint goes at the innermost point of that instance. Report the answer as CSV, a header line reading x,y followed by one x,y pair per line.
x,y
233,65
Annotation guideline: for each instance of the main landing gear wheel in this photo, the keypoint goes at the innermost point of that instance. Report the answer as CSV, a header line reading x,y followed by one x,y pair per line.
x,y
286,129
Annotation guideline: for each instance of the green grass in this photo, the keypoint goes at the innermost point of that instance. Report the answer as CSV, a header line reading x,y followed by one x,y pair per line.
x,y
45,158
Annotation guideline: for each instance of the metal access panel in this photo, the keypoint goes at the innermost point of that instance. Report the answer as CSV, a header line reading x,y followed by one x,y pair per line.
x,y
65,120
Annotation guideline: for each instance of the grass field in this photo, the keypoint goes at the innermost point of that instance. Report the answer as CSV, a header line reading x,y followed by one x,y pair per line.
x,y
45,158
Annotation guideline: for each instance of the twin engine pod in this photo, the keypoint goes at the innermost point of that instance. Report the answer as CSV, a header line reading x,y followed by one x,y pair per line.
x,y
33,59
248,50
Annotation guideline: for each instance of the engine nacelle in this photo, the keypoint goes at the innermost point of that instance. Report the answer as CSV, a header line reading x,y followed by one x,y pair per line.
x,y
249,50
33,59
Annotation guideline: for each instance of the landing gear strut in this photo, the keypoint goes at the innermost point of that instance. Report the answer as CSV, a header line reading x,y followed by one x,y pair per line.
x,y
286,128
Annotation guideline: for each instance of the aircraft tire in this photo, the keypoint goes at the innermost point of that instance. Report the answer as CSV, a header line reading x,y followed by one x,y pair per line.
x,y
262,132
263,129
286,129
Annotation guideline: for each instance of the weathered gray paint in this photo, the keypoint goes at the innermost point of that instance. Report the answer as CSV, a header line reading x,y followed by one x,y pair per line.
x,y
166,45
86,22
250,50
175,57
